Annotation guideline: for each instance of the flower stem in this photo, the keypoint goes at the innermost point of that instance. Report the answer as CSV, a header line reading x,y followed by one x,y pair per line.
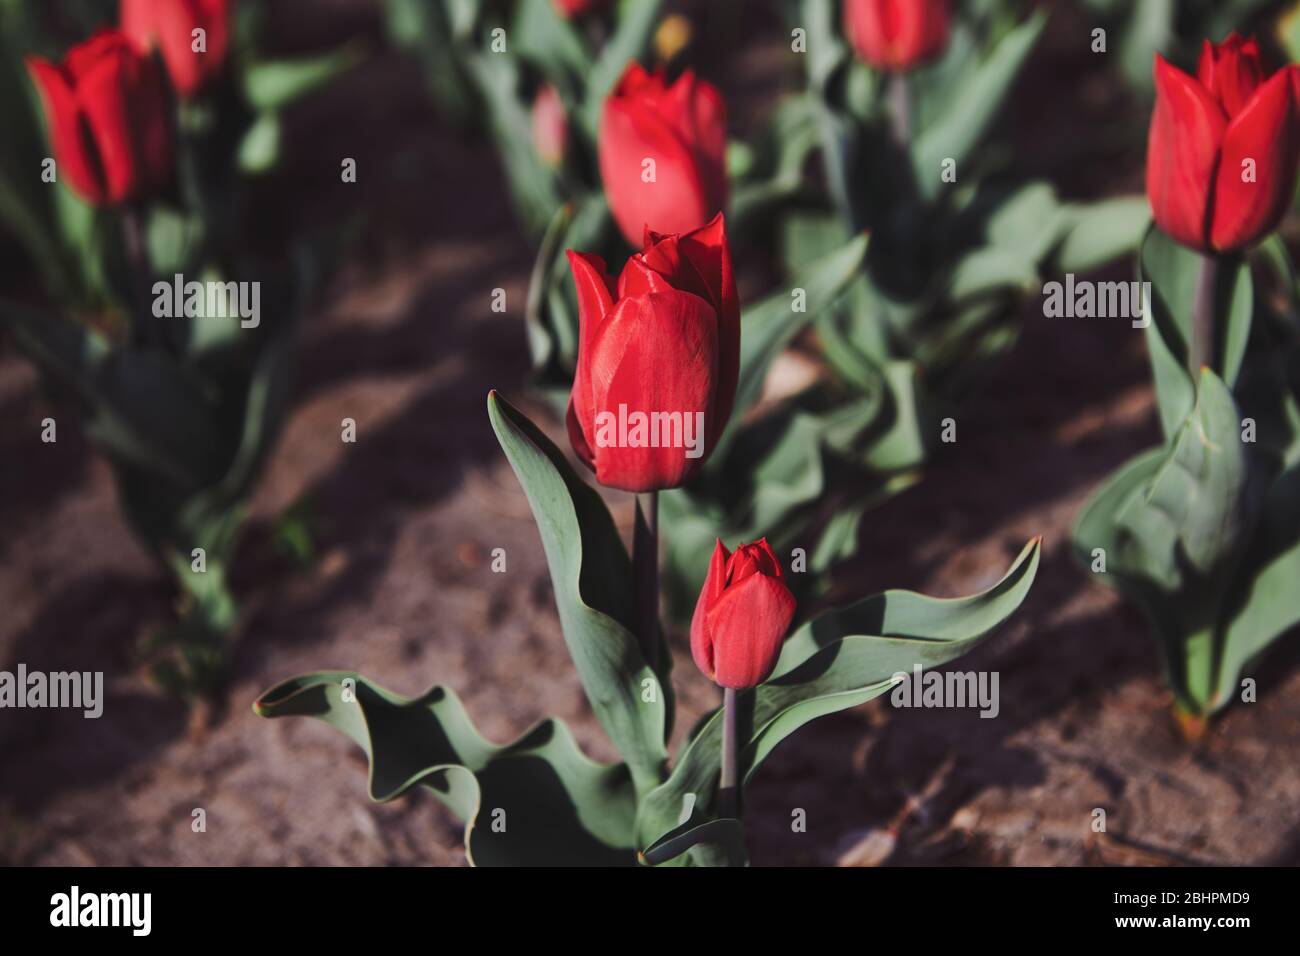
x,y
1200,353
137,261
728,791
900,108
645,571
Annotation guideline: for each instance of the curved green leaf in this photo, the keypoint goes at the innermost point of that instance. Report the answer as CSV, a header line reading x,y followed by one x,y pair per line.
x,y
592,577
536,801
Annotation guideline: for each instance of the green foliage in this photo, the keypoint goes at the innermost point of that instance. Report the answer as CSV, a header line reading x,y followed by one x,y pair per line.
x,y
186,408
538,800
1202,532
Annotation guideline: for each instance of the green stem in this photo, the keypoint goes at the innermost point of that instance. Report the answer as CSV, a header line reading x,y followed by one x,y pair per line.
x,y
728,784
1200,353
645,571
900,109
137,260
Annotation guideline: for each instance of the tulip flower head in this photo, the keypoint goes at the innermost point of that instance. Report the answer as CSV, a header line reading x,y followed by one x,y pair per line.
x,y
658,359
897,34
742,616
193,36
106,110
1224,148
662,150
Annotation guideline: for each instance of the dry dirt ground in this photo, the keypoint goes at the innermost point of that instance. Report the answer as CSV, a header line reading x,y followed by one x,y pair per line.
x,y
404,342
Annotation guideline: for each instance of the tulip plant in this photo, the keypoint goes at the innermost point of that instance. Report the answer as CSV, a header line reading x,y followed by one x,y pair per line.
x,y
1203,532
658,350
150,130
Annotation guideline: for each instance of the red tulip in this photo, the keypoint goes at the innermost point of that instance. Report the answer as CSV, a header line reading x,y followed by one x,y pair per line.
x,y
1203,191
550,126
682,128
897,34
170,25
741,617
665,343
571,9
106,110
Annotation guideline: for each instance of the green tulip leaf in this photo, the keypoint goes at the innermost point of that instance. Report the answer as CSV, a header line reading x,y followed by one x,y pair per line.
x,y
140,407
1100,232
538,801
841,659
973,106
1270,608
274,85
544,37
592,578
766,328
724,837
634,25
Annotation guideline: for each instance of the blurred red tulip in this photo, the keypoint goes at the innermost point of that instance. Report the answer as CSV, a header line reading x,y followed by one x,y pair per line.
x,y
742,616
1224,148
569,9
663,152
550,126
170,25
106,111
897,34
668,344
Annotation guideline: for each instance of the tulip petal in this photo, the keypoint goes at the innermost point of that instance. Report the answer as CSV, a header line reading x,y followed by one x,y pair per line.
x,y
1265,132
595,302
708,250
714,584
747,626
1231,72
1187,129
105,93
70,139
656,353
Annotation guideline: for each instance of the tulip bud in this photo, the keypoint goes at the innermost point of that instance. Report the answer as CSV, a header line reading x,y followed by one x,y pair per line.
x,y
742,616
550,126
171,25
106,110
1224,148
572,9
658,359
662,151
897,34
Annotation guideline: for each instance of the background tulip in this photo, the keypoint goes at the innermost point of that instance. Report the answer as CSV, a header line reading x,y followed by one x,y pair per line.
x,y
682,127
1223,149
570,9
897,34
550,126
742,616
106,110
169,25
669,342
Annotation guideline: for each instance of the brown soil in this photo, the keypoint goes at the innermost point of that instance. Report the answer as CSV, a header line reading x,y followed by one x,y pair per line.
x,y
405,343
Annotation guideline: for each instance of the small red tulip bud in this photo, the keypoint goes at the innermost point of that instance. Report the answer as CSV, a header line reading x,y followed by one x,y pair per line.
x,y
742,616
550,126
897,34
